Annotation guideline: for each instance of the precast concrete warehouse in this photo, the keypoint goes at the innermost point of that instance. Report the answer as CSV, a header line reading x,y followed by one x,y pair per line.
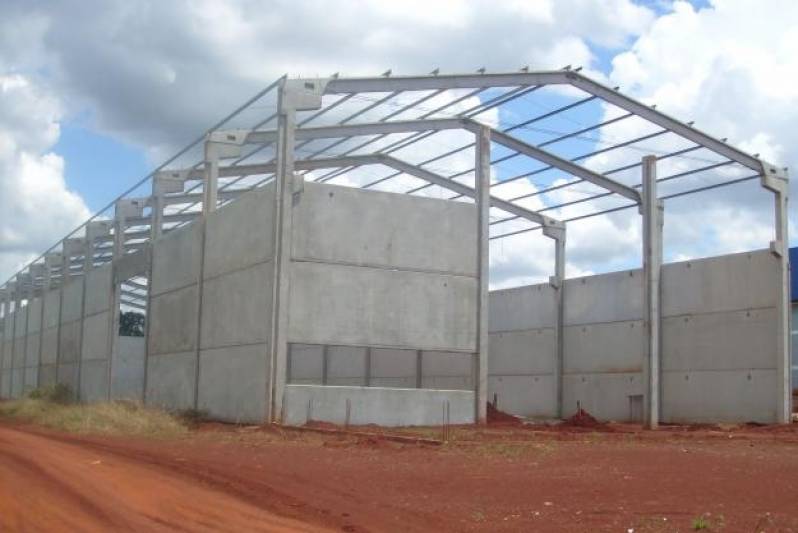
x,y
322,253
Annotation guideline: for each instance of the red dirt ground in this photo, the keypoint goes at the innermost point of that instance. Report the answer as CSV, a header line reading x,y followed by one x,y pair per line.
x,y
496,478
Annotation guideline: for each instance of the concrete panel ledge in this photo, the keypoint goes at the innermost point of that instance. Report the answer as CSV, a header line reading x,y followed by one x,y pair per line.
x,y
375,405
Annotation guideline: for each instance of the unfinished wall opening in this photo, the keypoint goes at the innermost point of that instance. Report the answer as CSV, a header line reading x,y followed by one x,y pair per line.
x,y
321,364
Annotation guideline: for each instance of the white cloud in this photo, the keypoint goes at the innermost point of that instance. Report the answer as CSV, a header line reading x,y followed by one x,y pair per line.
x,y
734,70
36,208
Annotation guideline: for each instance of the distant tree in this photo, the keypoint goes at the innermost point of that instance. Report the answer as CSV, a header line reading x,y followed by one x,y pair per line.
x,y
131,324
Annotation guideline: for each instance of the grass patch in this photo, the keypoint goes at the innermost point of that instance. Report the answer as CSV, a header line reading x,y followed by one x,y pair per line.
x,y
700,523
52,407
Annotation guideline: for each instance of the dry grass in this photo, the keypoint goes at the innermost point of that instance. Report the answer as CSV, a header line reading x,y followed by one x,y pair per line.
x,y
52,409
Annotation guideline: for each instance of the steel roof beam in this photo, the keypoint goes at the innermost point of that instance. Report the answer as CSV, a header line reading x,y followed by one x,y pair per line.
x,y
561,77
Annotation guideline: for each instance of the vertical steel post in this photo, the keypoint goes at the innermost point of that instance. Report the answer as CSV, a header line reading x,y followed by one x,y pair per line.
x,y
776,180
482,166
652,209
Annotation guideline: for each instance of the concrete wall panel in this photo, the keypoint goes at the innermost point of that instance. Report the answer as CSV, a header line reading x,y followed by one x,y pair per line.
x,y
376,307
127,369
613,297
72,305
49,346
720,396
522,352
68,375
520,308
47,375
17,382
720,341
524,395
725,283
604,395
21,323
173,324
171,380
95,331
237,307
176,259
337,224
612,347
375,405
241,233
94,381
69,342
5,384
34,315
232,383
31,379
32,345
98,289
52,304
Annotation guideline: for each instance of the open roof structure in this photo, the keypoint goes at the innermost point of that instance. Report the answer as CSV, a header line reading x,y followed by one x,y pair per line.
x,y
563,147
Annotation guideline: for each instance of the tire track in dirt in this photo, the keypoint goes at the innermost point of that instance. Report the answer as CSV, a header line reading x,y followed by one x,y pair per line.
x,y
58,486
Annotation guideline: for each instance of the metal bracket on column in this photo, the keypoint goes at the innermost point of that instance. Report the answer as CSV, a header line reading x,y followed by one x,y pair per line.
x,y
776,180
218,145
70,248
36,271
303,95
163,183
51,260
555,230
94,230
124,209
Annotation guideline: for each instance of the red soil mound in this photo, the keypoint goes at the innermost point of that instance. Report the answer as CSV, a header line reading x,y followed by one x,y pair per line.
x,y
500,417
582,419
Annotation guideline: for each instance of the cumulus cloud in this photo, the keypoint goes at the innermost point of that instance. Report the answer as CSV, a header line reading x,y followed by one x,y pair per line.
x,y
736,75
36,207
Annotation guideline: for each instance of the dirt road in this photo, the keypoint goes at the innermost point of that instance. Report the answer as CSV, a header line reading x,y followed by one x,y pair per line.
x,y
46,485
489,479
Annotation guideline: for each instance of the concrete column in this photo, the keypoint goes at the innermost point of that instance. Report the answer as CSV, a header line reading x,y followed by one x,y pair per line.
x,y
325,364
419,369
482,185
558,282
284,177
88,264
4,311
18,295
211,182
367,369
776,180
123,209
652,210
